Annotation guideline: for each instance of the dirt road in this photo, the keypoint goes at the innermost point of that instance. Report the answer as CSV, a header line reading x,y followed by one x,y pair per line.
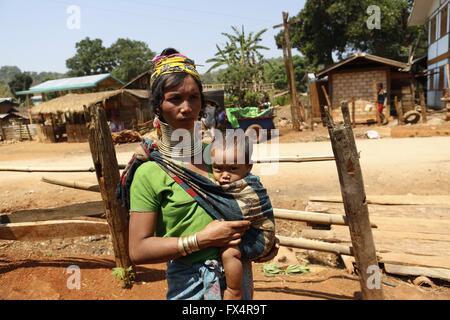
x,y
390,166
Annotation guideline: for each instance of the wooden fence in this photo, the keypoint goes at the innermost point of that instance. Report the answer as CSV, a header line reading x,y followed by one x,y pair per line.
x,y
18,132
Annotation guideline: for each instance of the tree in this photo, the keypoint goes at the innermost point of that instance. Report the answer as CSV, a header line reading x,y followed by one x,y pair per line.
x,y
91,58
125,59
7,73
275,72
21,82
131,58
45,76
4,90
244,63
329,27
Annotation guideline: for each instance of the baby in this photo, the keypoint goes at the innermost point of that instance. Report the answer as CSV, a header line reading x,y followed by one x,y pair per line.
x,y
231,164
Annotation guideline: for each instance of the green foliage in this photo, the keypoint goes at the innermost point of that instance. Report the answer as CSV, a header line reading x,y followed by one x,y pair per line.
x,y
7,73
271,269
275,72
12,74
125,58
212,76
4,90
131,58
339,27
252,99
91,58
243,61
20,82
45,76
126,275
281,100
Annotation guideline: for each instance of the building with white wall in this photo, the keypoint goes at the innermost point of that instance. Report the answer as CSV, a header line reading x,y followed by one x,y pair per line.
x,y
435,14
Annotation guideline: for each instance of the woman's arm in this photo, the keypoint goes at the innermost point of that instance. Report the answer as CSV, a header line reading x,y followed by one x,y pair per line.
x,y
144,247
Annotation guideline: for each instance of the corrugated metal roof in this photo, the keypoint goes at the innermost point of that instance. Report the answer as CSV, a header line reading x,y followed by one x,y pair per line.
x,y
419,13
3,115
6,99
390,62
68,84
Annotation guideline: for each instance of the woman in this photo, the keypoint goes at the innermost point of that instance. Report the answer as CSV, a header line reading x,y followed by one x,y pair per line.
x,y
166,223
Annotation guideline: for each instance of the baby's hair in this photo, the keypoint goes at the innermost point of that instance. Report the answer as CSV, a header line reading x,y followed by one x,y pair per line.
x,y
239,143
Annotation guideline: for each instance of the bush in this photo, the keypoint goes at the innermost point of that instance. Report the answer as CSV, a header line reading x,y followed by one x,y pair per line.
x,y
252,99
281,101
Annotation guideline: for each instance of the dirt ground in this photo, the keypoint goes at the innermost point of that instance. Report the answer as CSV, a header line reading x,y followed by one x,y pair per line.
x,y
37,270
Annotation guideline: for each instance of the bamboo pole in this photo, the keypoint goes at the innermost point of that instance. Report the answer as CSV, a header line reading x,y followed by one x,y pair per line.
x,y
354,198
308,244
31,170
313,217
73,184
283,159
107,171
327,97
291,159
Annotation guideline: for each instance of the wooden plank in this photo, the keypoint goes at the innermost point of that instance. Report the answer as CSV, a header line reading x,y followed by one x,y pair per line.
x,y
92,209
413,225
415,260
437,273
392,199
436,212
384,243
32,231
343,234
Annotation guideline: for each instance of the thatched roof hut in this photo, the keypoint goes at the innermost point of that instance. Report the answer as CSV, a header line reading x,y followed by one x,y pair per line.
x,y
62,119
74,103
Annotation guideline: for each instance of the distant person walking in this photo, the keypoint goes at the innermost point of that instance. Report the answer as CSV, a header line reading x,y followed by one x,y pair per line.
x,y
381,102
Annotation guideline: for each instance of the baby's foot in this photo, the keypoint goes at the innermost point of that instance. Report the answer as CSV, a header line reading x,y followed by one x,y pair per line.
x,y
232,294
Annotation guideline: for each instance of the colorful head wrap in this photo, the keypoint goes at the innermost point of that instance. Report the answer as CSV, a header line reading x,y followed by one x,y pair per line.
x,y
173,63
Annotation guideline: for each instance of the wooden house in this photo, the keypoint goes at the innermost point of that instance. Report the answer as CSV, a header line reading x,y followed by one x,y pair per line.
x,y
62,119
356,78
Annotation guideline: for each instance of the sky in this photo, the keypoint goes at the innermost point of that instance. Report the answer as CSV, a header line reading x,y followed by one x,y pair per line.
x,y
35,35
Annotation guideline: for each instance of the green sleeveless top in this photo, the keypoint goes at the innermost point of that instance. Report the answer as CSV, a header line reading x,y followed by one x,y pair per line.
x,y
153,190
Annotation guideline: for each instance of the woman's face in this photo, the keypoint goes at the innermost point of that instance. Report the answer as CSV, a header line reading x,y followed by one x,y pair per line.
x,y
182,104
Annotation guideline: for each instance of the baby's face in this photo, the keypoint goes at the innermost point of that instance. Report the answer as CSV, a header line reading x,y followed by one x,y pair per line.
x,y
228,173
225,172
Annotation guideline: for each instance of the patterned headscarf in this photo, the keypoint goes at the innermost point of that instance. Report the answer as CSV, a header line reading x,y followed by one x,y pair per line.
x,y
173,63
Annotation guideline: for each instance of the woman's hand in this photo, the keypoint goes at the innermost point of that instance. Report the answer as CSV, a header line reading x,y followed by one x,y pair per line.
x,y
272,254
222,233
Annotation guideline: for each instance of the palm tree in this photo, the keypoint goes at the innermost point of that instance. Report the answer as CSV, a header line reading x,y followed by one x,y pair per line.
x,y
241,55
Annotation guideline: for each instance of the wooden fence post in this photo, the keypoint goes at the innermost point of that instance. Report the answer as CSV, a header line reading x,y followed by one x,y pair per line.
x,y
399,109
2,131
354,112
375,94
355,204
423,107
108,176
